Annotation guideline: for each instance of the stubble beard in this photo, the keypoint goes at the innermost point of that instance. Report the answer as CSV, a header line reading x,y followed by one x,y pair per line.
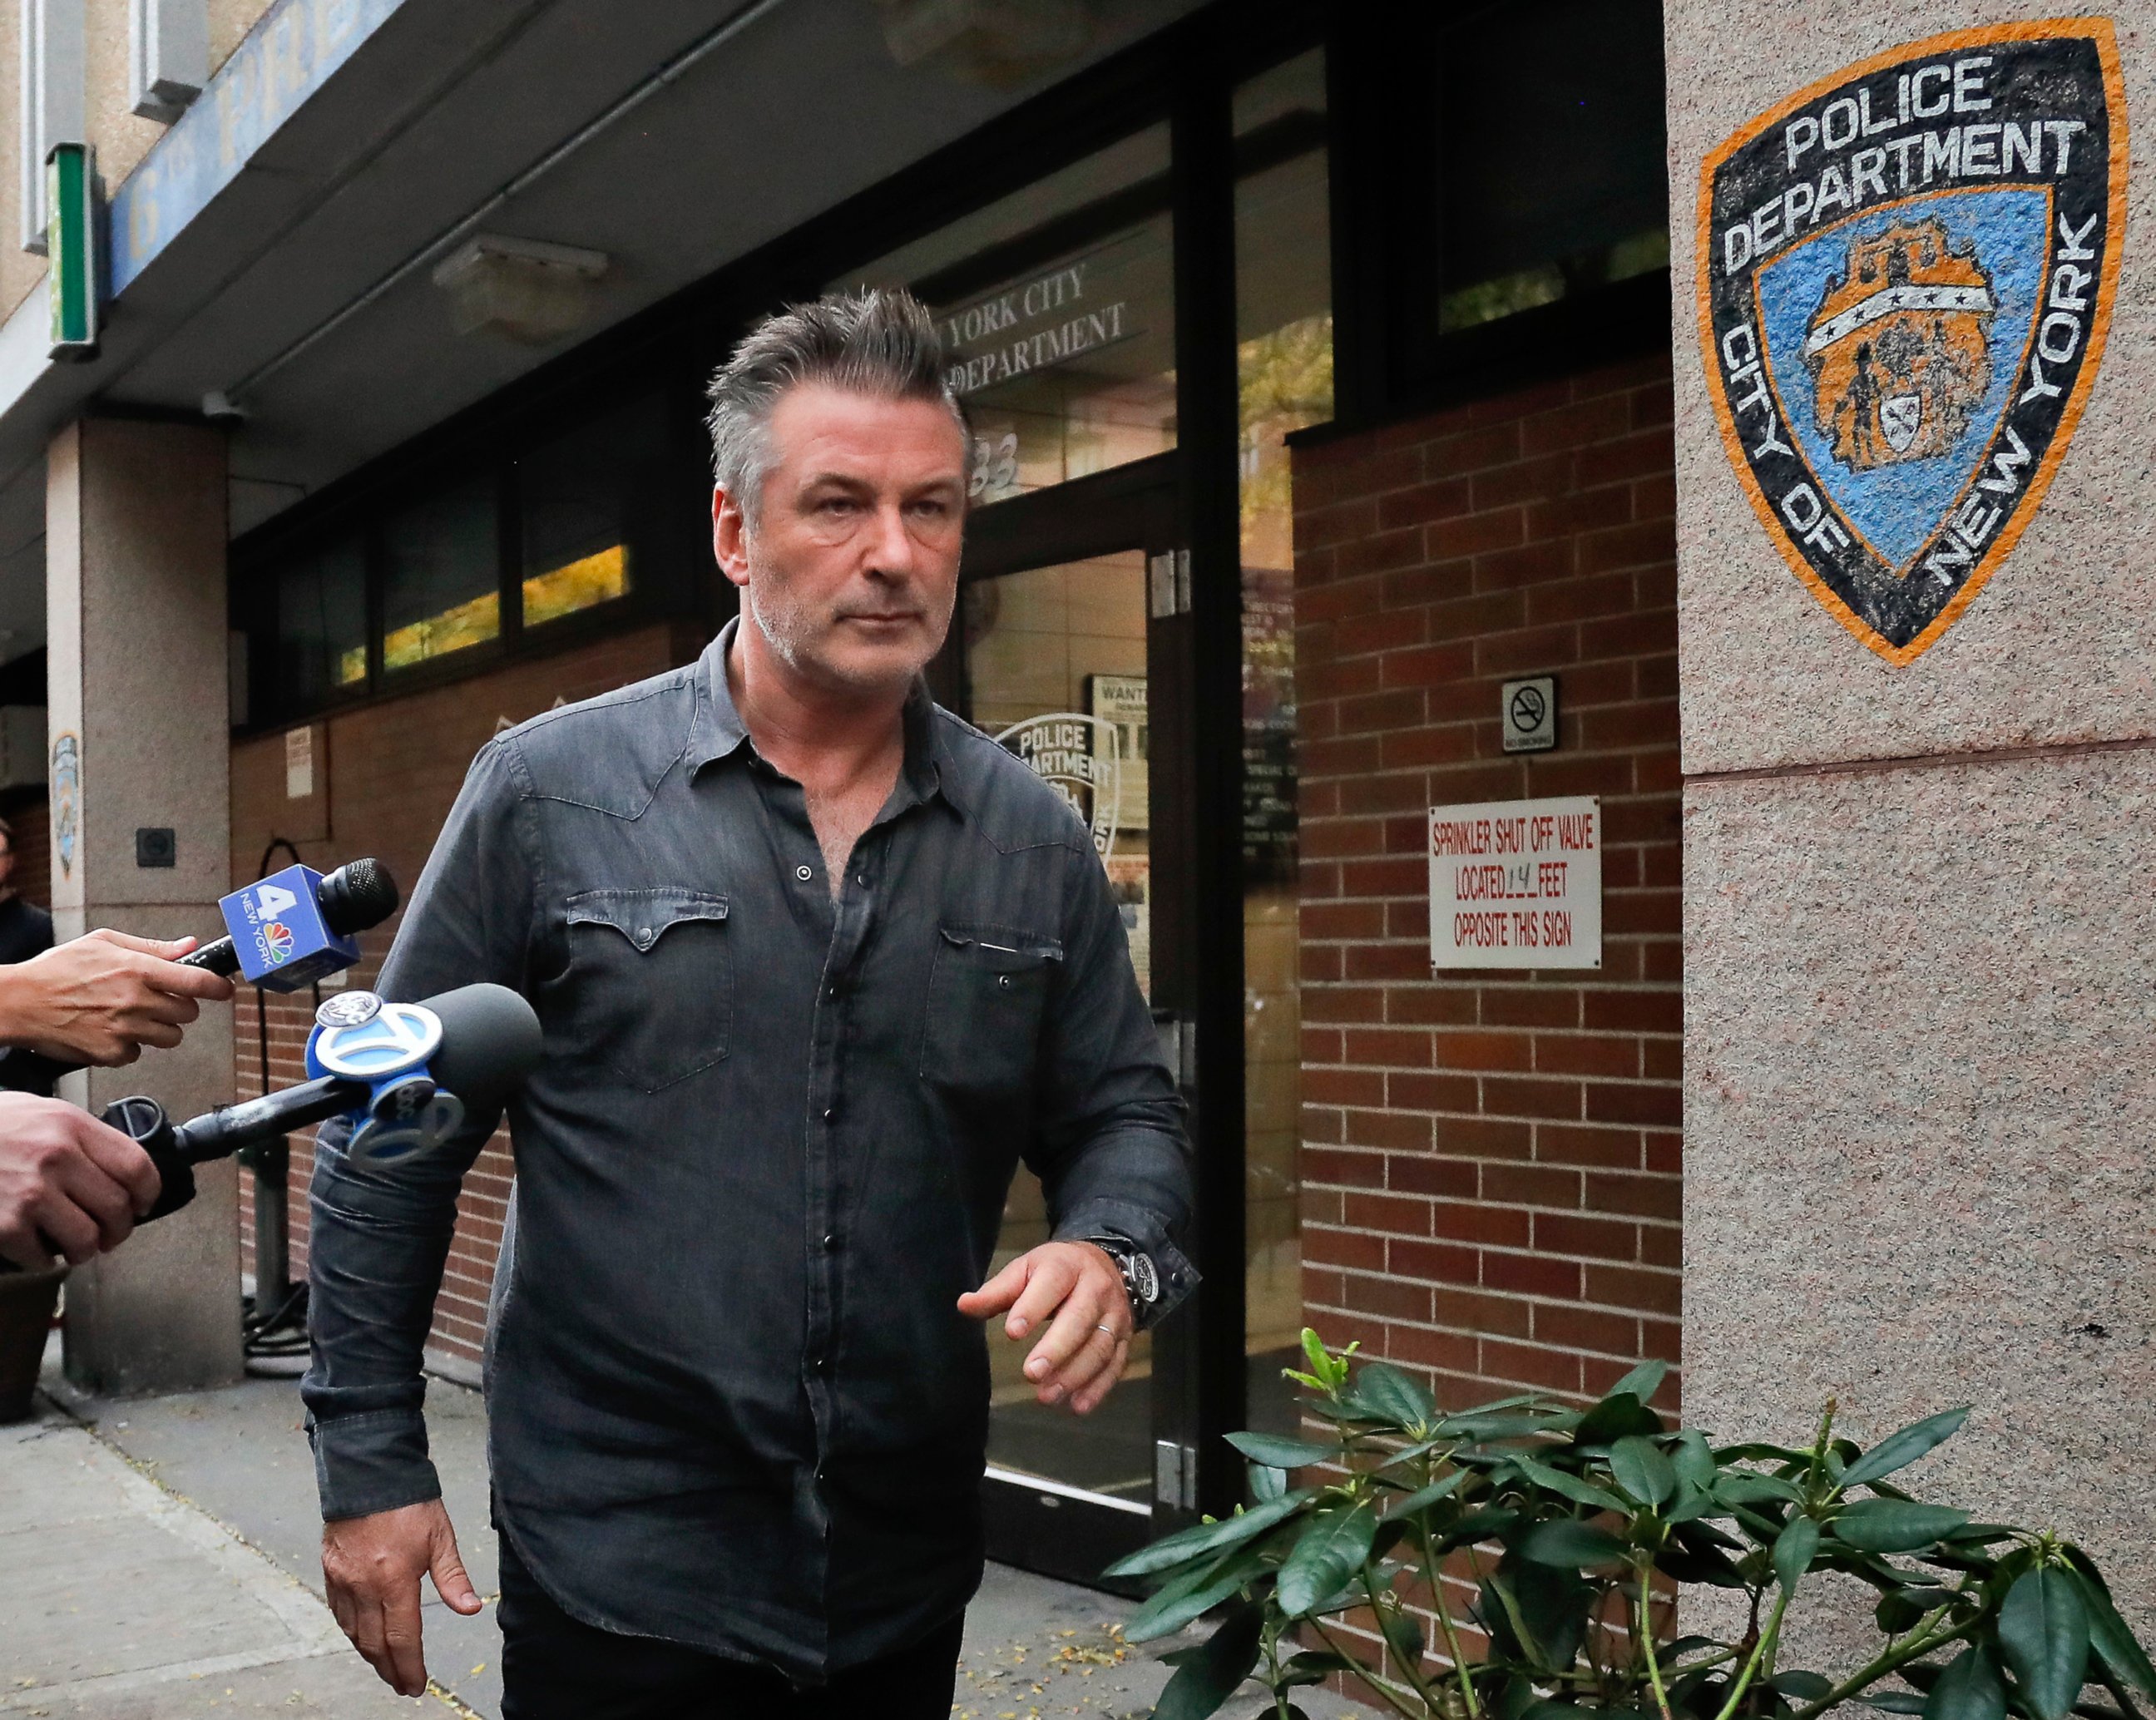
x,y
784,626
793,632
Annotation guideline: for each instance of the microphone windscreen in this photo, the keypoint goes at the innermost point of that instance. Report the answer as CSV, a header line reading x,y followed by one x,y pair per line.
x,y
490,1041
357,896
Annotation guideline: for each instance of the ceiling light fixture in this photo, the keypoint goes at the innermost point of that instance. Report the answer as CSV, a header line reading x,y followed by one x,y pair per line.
x,y
529,290
997,43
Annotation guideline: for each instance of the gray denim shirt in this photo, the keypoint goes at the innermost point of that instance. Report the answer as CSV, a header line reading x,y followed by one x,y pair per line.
x,y
732,1404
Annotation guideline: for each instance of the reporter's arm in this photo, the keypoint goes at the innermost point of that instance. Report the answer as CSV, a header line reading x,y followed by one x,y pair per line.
x,y
67,1183
101,998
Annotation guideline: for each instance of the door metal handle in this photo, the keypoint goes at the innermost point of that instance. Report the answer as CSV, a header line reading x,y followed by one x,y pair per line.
x,y
1168,586
1178,1045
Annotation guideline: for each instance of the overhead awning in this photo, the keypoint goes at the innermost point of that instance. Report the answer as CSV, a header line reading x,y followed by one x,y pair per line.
x,y
279,246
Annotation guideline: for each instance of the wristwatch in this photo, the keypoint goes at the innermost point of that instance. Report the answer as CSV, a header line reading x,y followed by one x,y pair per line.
x,y
1140,1277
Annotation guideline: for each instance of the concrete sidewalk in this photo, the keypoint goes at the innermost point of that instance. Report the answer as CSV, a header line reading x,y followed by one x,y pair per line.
x,y
120,1602
159,1558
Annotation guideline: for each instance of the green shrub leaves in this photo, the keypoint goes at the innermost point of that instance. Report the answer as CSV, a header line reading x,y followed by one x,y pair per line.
x,y
1969,1689
1571,1543
1899,1451
1576,1524
2109,1636
1896,1525
1277,1453
1331,1550
1208,1537
1642,1471
2044,1631
1795,1549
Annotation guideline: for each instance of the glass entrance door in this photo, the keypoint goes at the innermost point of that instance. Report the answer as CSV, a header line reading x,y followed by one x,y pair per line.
x,y
1056,664
1051,657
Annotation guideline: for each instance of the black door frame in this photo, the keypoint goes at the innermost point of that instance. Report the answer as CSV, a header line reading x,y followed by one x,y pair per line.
x,y
1199,1354
1061,1531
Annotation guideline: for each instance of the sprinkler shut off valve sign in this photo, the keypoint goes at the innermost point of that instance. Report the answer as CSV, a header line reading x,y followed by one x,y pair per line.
x,y
1516,884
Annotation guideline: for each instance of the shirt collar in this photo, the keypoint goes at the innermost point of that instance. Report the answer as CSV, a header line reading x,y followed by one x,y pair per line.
x,y
716,730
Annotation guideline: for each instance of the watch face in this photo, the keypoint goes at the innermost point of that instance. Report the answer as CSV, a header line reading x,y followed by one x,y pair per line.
x,y
1145,1279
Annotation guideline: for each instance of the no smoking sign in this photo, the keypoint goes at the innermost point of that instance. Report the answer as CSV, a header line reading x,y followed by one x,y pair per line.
x,y
1529,709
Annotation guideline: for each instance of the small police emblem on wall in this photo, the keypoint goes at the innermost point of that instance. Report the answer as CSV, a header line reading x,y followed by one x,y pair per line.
x,y
1905,280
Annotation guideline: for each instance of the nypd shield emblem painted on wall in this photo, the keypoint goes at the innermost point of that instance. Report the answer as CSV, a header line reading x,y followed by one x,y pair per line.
x,y
1905,281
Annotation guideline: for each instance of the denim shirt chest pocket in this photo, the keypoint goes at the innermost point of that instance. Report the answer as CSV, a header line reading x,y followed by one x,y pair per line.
x,y
987,994
651,981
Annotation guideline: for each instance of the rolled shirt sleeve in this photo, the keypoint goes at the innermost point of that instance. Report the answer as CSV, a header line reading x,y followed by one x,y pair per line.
x,y
1109,1143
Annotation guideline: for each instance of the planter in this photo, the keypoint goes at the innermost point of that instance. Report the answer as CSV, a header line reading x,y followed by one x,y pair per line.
x,y
27,1300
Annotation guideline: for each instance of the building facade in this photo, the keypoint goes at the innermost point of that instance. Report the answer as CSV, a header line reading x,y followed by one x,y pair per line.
x,y
1377,444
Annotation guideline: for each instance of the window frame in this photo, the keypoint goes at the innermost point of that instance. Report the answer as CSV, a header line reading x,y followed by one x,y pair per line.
x,y
1392,362
661,588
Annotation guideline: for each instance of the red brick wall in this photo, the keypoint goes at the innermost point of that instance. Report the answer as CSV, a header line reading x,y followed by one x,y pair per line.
x,y
385,777
1491,1165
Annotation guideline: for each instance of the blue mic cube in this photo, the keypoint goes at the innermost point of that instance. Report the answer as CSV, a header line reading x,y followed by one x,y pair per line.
x,y
276,927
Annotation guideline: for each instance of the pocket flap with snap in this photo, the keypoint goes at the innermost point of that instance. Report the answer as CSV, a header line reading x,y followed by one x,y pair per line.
x,y
644,916
1001,947
980,1032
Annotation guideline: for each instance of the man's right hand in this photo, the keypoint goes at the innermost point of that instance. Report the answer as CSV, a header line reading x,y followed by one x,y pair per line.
x,y
102,998
67,1182
371,1567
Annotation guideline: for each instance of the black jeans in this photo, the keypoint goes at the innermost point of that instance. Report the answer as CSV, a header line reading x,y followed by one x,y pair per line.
x,y
555,1668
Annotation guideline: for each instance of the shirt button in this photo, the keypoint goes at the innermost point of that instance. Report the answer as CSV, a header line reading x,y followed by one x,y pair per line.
x,y
644,937
863,881
830,1111
831,1242
1002,982
804,873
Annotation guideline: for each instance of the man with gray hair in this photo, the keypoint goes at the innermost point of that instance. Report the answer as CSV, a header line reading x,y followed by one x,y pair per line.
x,y
817,964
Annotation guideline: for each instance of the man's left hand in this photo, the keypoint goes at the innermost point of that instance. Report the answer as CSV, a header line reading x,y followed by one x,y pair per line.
x,y
1074,1290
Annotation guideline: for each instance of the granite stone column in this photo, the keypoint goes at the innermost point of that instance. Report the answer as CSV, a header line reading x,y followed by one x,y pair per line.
x,y
135,558
1920,958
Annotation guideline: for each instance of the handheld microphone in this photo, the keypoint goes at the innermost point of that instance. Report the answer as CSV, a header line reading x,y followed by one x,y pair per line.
x,y
297,925
292,927
406,1074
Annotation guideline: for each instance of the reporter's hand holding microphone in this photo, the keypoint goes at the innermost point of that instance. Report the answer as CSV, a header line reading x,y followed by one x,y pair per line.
x,y
100,1000
70,1186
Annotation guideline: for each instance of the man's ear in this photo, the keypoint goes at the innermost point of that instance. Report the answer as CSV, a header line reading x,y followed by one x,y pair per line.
x,y
729,537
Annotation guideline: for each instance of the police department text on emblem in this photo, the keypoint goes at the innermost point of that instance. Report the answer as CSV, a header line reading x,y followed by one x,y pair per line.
x,y
1905,280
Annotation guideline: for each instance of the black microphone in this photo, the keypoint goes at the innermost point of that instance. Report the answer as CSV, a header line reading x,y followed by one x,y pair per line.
x,y
490,1041
357,896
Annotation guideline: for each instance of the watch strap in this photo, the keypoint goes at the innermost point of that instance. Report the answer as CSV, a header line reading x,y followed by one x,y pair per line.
x,y
1141,1275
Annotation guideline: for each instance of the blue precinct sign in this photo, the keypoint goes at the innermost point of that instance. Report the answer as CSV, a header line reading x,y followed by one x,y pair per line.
x,y
285,59
276,927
